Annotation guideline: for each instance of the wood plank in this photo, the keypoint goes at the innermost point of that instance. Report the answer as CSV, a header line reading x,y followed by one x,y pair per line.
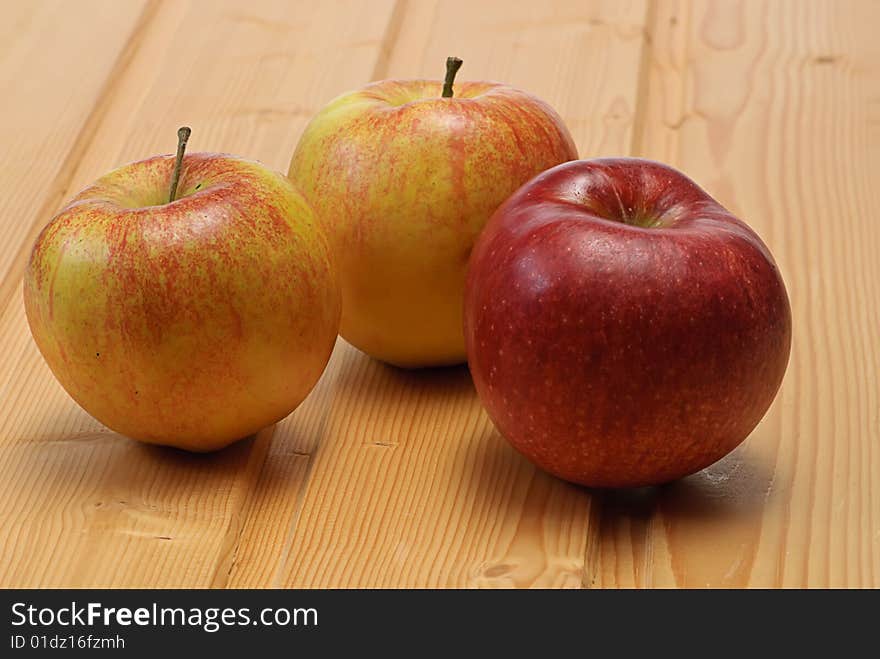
x,y
775,109
409,484
584,58
80,506
49,115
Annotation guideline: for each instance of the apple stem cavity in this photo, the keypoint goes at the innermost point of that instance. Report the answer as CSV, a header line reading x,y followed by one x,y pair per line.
x,y
183,134
453,64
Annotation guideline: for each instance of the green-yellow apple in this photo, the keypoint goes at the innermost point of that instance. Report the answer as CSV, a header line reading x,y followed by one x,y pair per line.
x,y
192,322
407,173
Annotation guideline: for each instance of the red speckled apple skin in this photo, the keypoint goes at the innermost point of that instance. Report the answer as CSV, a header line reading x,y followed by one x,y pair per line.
x,y
622,327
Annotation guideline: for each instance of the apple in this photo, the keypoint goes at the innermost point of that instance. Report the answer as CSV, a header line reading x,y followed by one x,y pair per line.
x,y
190,319
407,173
623,328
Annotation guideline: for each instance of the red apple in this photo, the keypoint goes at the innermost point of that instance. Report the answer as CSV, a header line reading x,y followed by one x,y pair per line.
x,y
191,322
622,327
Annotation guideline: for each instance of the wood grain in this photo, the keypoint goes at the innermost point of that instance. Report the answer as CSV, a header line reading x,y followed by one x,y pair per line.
x,y
408,483
392,478
773,107
49,115
79,505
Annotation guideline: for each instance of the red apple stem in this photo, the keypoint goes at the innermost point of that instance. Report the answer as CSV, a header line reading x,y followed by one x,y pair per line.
x,y
453,64
183,134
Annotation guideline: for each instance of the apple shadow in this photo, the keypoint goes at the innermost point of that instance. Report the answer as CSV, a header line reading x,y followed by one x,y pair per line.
x,y
374,384
737,485
228,458
116,467
123,465
732,490
456,378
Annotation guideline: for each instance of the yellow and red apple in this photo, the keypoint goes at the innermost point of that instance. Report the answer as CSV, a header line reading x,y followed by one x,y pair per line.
x,y
405,174
192,323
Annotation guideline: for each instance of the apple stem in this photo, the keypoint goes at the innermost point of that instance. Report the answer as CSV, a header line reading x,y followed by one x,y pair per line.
x,y
453,64
183,134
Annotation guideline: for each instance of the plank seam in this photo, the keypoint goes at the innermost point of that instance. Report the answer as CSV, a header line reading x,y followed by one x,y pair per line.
x,y
231,541
592,555
592,562
643,79
84,139
389,40
281,568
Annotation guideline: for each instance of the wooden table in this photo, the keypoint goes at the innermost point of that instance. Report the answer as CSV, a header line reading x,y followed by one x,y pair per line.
x,y
391,478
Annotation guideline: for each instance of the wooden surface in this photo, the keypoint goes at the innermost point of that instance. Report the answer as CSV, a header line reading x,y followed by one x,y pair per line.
x,y
392,478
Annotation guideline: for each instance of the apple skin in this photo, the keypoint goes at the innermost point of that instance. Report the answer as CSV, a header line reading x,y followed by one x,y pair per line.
x,y
191,324
623,328
407,180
